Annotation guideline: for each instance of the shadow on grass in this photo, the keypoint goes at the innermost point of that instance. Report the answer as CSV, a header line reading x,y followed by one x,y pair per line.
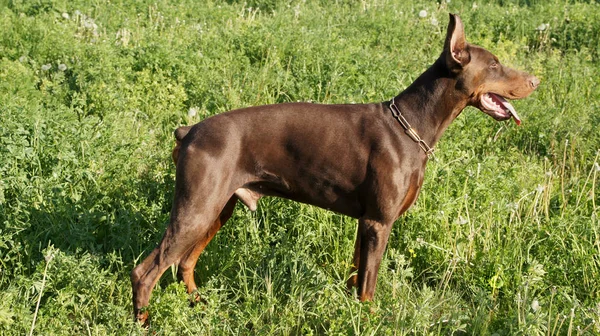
x,y
127,219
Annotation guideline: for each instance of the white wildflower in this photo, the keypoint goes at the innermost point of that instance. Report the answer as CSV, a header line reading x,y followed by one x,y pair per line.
x,y
434,21
23,59
46,67
540,188
192,112
62,67
474,5
65,16
596,165
535,305
542,27
48,257
423,13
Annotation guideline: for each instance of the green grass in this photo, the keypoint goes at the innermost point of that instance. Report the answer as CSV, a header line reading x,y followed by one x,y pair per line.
x,y
504,239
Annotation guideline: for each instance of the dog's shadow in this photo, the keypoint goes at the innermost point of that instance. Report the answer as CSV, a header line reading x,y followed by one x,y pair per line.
x,y
127,218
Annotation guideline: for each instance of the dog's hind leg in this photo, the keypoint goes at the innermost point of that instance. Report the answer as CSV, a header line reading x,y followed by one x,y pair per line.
x,y
188,227
202,189
187,263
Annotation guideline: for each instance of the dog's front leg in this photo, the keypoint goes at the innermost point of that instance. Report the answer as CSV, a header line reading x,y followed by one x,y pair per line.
x,y
370,244
353,280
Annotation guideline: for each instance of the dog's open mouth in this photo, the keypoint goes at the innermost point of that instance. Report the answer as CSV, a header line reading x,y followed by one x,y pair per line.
x,y
498,107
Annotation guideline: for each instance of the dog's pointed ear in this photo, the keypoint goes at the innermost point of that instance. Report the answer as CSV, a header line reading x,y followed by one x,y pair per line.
x,y
455,47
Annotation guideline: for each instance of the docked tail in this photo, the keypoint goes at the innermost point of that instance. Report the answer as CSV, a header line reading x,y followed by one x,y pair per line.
x,y
180,133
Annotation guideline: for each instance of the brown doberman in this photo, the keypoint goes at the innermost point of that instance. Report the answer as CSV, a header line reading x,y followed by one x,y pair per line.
x,y
366,161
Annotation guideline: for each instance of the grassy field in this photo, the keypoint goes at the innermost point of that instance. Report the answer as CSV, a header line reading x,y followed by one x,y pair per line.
x,y
504,239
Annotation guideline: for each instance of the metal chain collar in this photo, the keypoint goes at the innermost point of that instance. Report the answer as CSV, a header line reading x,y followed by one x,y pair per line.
x,y
410,131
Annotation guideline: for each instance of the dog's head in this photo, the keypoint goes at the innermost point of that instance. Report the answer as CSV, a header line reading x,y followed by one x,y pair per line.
x,y
482,78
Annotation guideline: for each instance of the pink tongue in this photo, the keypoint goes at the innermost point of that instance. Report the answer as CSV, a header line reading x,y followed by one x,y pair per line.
x,y
507,106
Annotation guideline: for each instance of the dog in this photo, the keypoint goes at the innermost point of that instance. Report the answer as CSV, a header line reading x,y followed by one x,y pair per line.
x,y
366,161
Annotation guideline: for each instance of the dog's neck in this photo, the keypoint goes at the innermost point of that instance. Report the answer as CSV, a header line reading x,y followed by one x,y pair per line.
x,y
432,102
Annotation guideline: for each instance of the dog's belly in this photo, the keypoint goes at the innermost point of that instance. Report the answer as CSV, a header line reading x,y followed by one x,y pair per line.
x,y
326,197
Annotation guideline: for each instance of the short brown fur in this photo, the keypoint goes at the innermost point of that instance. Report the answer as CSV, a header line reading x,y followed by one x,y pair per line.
x,y
353,159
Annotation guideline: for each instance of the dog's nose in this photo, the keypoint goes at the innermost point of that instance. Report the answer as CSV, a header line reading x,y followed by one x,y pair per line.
x,y
534,82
